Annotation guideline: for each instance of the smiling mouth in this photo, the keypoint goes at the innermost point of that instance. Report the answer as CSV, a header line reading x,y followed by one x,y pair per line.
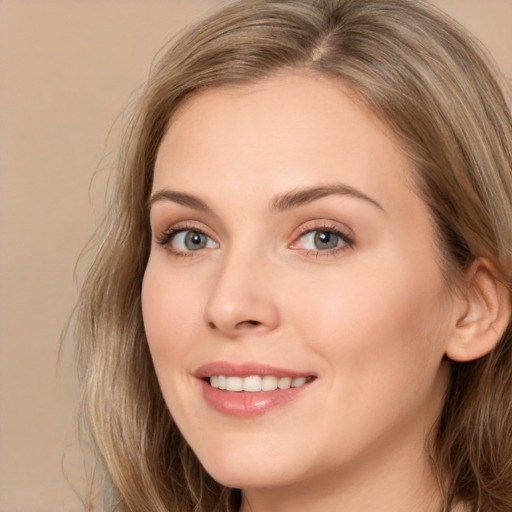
x,y
250,389
256,383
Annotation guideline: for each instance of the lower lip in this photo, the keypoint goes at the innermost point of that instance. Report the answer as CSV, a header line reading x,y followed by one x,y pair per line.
x,y
246,404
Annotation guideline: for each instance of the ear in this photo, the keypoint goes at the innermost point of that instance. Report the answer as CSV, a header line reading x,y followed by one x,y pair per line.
x,y
485,314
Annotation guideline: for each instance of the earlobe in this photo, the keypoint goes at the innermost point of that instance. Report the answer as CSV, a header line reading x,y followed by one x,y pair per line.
x,y
485,316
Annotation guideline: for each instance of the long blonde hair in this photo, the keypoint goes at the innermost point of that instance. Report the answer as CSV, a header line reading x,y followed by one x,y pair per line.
x,y
436,89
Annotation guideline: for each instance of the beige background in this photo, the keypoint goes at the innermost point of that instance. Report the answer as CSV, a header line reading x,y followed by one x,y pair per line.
x,y
67,69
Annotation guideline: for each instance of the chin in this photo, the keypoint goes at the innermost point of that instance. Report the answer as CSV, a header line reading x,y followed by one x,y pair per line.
x,y
248,473
256,479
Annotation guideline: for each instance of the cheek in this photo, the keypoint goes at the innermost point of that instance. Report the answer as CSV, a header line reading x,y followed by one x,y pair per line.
x,y
383,320
172,314
382,338
170,309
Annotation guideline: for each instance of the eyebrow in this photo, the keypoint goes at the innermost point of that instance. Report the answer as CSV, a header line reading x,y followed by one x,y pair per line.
x,y
283,202
299,197
179,198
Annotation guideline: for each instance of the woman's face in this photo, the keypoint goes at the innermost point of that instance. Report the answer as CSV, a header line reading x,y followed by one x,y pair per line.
x,y
288,250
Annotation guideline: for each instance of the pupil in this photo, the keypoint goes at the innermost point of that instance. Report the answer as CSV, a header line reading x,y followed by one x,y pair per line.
x,y
326,240
195,241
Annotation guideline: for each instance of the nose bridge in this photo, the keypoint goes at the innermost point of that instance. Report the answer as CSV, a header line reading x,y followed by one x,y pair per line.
x,y
241,298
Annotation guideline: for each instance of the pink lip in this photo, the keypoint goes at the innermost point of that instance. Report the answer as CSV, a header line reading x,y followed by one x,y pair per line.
x,y
245,370
246,404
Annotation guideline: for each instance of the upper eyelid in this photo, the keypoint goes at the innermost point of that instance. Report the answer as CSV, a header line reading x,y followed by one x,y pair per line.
x,y
164,235
325,225
185,225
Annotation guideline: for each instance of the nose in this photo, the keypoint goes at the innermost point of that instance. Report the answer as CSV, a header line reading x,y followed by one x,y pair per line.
x,y
241,300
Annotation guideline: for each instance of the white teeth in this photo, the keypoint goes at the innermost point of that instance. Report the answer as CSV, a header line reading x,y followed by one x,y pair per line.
x,y
284,383
298,382
234,383
269,383
252,383
255,383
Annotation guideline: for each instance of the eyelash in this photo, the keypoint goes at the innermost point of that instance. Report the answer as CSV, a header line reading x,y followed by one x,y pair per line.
x,y
166,237
348,240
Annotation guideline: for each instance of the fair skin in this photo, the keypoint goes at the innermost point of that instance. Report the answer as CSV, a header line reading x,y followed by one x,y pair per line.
x,y
286,236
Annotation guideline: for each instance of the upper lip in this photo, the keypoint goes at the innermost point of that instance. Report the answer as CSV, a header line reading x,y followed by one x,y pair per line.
x,y
246,370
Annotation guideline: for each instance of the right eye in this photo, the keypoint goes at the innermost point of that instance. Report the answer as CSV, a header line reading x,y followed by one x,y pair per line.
x,y
183,241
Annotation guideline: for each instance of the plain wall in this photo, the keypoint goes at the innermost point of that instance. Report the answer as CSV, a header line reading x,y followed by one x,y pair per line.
x,y
67,69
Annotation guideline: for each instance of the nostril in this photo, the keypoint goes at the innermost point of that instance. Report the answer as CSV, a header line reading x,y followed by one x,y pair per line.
x,y
248,324
239,326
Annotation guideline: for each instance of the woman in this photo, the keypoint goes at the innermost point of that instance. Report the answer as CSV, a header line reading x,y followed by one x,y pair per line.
x,y
302,294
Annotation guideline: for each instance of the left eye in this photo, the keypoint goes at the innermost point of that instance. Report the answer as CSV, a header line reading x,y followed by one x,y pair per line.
x,y
321,240
185,241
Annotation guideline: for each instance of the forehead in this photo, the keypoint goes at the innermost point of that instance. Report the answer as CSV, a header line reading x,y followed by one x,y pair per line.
x,y
287,131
